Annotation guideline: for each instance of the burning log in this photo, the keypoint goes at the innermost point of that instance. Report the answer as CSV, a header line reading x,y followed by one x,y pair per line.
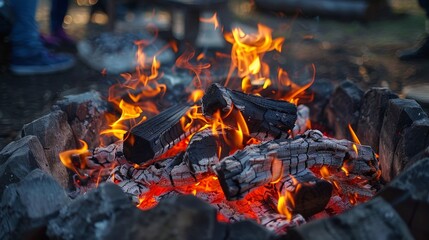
x,y
265,118
260,164
310,193
302,120
155,136
205,149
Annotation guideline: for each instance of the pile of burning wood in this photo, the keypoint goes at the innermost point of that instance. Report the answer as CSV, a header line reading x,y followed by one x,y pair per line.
x,y
273,171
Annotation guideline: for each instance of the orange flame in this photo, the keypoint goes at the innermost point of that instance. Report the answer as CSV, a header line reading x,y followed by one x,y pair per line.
x,y
247,53
354,136
277,170
213,20
66,157
282,205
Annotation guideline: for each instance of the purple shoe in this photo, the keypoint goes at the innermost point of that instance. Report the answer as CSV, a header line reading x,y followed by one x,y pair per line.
x,y
41,63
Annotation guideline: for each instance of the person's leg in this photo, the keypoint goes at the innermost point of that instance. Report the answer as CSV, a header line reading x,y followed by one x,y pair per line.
x,y
25,35
28,53
58,12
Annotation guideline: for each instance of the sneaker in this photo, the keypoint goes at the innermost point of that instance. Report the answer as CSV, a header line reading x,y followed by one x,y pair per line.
x,y
421,51
41,63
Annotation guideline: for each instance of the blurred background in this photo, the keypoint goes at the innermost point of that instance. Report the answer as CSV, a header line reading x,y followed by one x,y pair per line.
x,y
345,39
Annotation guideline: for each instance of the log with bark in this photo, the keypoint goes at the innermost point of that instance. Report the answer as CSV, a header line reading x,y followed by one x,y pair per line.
x,y
265,118
155,136
260,164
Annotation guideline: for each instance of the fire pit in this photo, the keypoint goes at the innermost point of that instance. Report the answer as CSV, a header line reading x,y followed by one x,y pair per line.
x,y
249,157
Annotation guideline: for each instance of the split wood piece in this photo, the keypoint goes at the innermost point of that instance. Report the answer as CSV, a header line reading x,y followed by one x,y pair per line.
x,y
102,157
156,135
372,111
303,117
310,193
205,149
265,118
260,164
400,115
343,109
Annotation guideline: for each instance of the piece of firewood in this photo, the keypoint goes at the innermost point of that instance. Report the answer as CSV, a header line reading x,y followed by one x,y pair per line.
x,y
156,135
205,149
266,118
104,157
310,193
302,120
260,164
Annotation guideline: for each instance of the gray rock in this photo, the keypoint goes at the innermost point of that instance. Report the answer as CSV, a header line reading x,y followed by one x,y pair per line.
x,y
19,158
27,206
91,216
375,219
86,115
408,193
55,135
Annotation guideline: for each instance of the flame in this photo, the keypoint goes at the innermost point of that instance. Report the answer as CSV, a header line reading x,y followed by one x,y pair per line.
x,y
66,157
345,170
196,95
247,53
213,20
324,172
184,61
354,136
282,205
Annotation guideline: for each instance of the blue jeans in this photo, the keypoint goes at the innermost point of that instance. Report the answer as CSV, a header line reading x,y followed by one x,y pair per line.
x,y
25,33
58,12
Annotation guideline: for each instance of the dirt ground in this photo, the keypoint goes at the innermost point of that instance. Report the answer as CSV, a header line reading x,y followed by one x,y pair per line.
x,y
363,52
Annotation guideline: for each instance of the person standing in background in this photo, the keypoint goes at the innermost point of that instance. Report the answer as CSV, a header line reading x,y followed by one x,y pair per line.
x,y
421,51
29,55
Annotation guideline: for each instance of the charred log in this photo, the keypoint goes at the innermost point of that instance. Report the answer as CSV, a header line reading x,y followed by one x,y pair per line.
x,y
155,136
260,164
310,193
205,149
265,118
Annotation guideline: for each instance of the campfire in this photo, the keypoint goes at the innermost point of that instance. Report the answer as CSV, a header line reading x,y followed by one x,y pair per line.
x,y
253,146
243,145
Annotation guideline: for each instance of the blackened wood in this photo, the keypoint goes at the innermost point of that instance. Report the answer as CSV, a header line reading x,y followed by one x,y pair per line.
x,y
105,157
260,164
205,149
343,109
265,118
310,193
27,206
372,111
414,140
408,194
19,158
400,114
321,90
55,135
156,135
375,219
